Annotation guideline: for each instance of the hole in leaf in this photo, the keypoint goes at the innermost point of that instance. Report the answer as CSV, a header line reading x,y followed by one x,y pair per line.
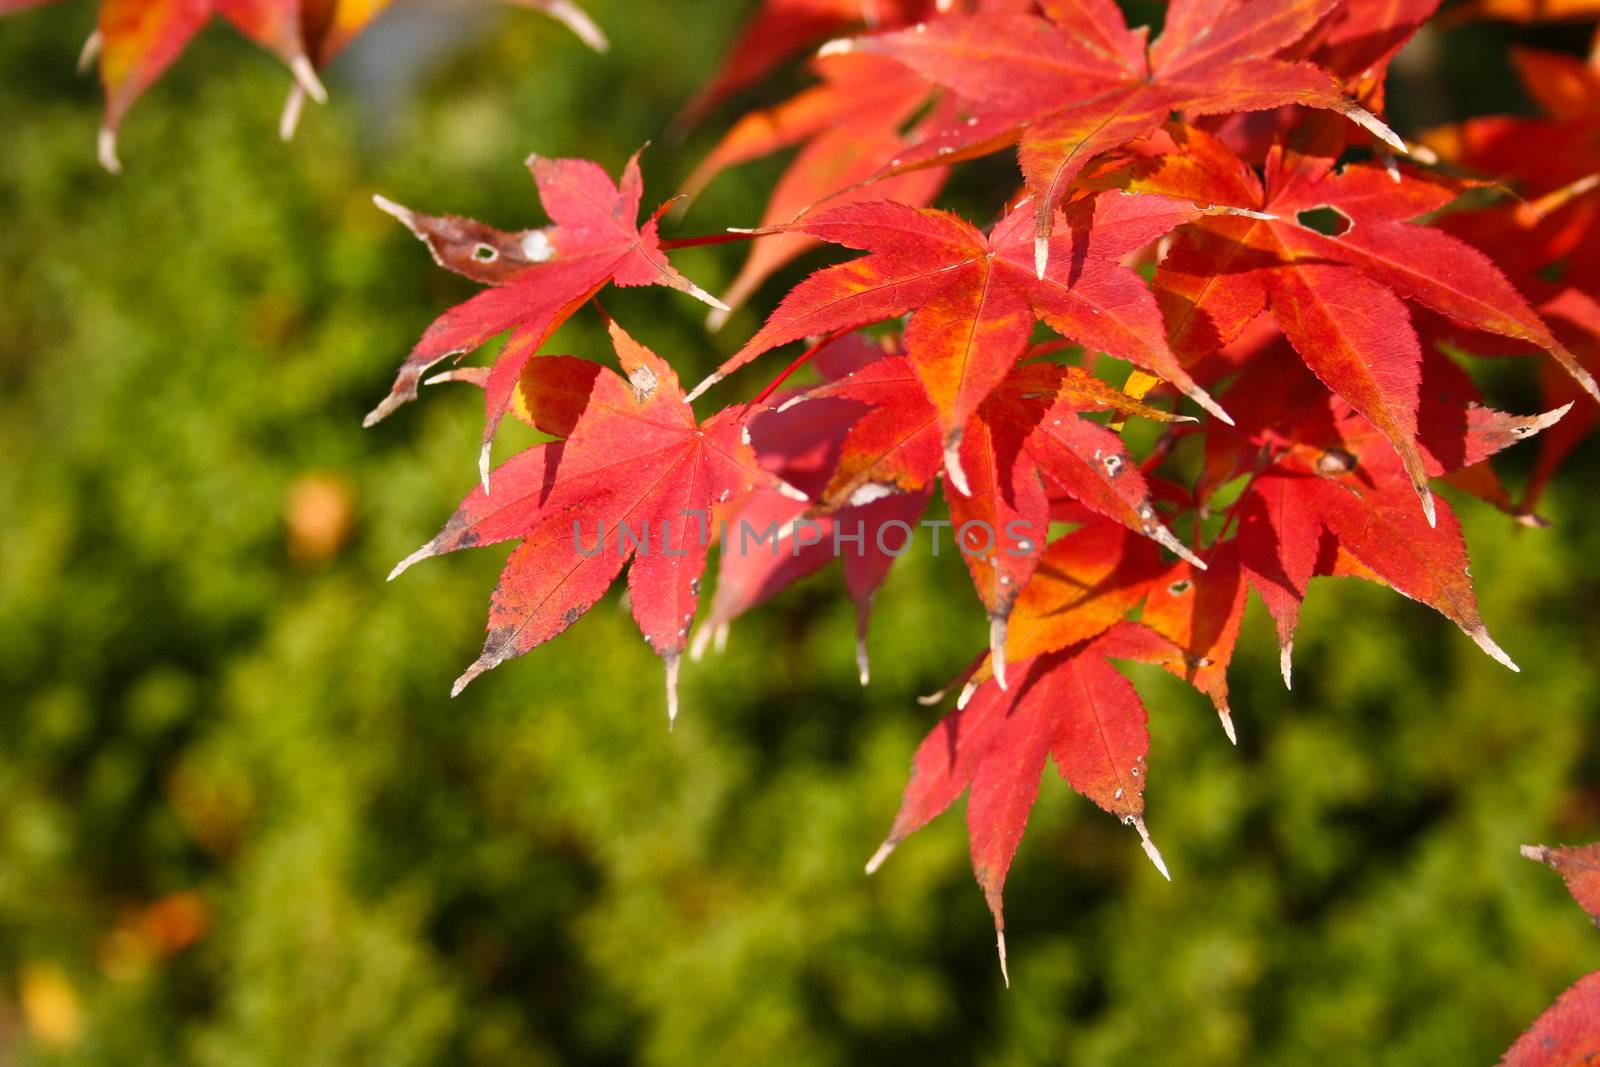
x,y
485,254
1328,221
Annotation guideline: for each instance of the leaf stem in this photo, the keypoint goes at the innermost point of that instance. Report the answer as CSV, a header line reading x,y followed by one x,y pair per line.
x,y
668,244
799,361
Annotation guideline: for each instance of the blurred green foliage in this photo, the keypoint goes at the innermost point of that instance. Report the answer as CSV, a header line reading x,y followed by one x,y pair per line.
x,y
194,711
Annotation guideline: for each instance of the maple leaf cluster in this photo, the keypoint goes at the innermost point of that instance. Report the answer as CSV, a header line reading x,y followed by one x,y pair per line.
x,y
135,41
1545,237
1221,209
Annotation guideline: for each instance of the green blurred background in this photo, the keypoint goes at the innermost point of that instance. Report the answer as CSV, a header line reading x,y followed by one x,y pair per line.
x,y
241,822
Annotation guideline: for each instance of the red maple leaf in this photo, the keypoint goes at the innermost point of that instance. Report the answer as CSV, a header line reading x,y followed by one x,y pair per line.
x,y
1028,439
633,477
1070,706
973,298
1081,83
1332,499
137,40
1359,37
1085,583
1190,624
1025,444
778,540
1337,295
1355,43
538,278
1579,867
1568,1033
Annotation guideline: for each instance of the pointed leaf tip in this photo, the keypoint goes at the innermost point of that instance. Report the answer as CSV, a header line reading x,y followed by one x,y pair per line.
x,y
699,390
425,552
1164,537
1000,944
863,664
789,491
483,663
1496,653
1242,212
997,648
1286,663
1041,255
879,856
385,408
305,76
1548,419
717,306
701,642
952,465
1375,126
289,120
1150,847
405,215
106,148
672,691
578,21
90,51
1211,407
1226,715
